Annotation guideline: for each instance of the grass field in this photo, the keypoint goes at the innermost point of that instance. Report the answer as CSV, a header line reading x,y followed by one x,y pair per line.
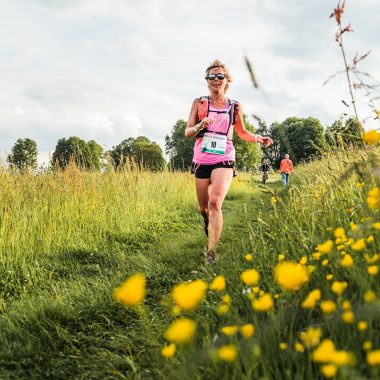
x,y
67,240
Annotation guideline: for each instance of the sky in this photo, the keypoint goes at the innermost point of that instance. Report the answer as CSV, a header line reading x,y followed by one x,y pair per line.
x,y
107,70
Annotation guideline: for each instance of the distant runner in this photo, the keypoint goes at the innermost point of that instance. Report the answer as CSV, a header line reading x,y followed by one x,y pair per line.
x,y
265,168
286,168
212,120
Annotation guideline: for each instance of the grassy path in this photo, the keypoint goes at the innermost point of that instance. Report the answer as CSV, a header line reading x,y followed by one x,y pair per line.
x,y
65,323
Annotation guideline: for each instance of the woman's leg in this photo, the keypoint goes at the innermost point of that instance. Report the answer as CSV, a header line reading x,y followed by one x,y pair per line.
x,y
202,186
220,182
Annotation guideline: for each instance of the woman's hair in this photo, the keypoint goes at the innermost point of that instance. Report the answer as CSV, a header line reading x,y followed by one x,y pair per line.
x,y
216,64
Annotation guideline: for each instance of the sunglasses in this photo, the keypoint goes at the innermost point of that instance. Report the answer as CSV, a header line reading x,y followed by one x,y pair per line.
x,y
213,76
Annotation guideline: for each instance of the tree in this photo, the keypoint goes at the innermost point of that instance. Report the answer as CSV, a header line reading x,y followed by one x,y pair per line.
x,y
247,154
348,136
178,147
86,155
24,155
145,153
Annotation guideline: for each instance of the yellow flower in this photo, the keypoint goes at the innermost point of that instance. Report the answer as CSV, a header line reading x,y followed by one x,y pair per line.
x,y
367,345
276,296
373,270
256,290
329,370
346,305
370,239
181,331
247,330
373,259
325,262
312,298
324,352
248,257
263,304
340,247
326,247
369,296
329,277
373,198
348,317
250,277
338,287
328,307
226,299
376,226
281,257
168,351
229,330
342,358
346,261
311,336
227,353
299,347
132,292
188,295
218,284
359,245
372,137
339,232
176,310
273,200
310,269
316,255
283,346
353,226
222,309
290,276
362,325
303,260
359,185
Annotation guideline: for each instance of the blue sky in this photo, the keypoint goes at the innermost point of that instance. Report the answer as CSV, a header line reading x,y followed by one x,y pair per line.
x,y
112,69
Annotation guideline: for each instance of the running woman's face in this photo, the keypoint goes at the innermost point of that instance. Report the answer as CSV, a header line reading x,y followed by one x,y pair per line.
x,y
217,83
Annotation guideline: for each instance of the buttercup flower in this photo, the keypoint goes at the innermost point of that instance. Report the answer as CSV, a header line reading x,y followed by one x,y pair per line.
x,y
248,257
299,347
338,287
311,336
250,277
283,346
247,330
362,325
227,353
218,284
328,307
263,304
348,317
373,357
312,298
229,330
346,261
181,331
222,309
372,137
132,292
326,247
188,295
168,351
290,276
359,245
373,270
369,296
329,370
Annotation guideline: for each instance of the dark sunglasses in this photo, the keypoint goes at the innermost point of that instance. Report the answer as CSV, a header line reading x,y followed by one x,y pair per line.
x,y
213,76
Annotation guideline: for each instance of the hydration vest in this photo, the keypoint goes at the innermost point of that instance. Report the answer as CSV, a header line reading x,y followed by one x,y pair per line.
x,y
204,109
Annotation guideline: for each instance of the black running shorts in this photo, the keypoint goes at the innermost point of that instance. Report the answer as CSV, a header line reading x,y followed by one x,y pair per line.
x,y
204,171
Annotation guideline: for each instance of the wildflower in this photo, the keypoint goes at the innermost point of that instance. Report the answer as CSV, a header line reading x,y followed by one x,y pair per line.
x,y
325,262
369,296
281,257
229,330
373,259
299,347
376,225
359,245
346,305
326,247
290,276
312,298
359,185
132,292
373,198
303,260
310,269
340,247
367,345
273,201
338,287
256,290
188,295
181,331
362,325
283,346
328,307
176,310
373,270
248,257
316,255
347,261
276,296
373,357
329,370
222,309
329,277
263,304
324,352
218,284
247,330
250,277
311,337
226,299
353,226
372,137
227,353
370,239
348,317
342,358
339,232
168,351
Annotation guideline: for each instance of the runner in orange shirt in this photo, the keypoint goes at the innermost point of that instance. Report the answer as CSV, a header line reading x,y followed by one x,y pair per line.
x,y
286,168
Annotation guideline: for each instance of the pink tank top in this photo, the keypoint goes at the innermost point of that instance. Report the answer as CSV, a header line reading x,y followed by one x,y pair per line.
x,y
222,121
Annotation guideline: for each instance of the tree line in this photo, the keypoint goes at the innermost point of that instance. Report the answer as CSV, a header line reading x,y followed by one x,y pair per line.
x,y
302,138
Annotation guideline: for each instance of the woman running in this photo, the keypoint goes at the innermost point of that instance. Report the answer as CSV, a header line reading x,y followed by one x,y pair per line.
x,y
211,121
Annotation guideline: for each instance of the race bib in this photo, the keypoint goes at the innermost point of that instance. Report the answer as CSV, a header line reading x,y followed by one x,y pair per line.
x,y
214,143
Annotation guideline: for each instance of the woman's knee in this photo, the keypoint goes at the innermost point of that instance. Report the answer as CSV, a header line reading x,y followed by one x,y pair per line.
x,y
215,204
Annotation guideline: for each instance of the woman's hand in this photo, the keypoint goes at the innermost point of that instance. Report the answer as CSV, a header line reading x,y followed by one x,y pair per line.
x,y
205,123
266,141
